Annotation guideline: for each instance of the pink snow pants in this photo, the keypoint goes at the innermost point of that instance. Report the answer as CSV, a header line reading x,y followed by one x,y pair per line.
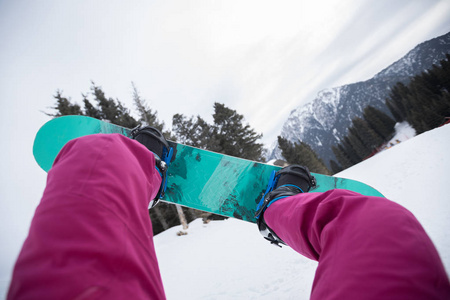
x,y
91,236
367,247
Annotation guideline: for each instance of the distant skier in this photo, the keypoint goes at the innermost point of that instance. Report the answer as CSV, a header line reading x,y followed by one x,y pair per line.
x,y
91,236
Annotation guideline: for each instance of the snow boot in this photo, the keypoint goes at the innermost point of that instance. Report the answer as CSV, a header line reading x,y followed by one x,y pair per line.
x,y
164,153
289,181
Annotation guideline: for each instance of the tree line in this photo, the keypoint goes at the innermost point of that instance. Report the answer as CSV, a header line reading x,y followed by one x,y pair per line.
x,y
424,103
364,137
228,134
302,154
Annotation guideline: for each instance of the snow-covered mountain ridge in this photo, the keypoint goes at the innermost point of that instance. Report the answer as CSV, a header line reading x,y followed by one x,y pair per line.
x,y
324,121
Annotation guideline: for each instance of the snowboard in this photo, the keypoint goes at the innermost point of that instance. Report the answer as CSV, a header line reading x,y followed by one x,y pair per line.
x,y
197,178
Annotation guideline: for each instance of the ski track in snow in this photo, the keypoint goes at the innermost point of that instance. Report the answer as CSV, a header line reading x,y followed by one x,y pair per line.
x,y
230,260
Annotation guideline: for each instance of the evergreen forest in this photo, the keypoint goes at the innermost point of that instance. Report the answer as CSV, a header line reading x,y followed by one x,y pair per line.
x,y
424,103
228,134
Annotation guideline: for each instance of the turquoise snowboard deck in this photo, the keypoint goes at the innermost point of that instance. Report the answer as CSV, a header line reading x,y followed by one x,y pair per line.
x,y
197,178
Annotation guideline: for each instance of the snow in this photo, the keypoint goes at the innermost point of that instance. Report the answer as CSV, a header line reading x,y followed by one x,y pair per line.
x,y
271,162
330,97
415,175
336,134
230,260
319,143
403,132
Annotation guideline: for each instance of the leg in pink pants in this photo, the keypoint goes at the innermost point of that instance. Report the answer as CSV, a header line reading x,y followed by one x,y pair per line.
x,y
91,236
367,247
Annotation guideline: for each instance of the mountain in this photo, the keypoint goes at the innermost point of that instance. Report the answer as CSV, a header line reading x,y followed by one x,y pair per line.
x,y
324,121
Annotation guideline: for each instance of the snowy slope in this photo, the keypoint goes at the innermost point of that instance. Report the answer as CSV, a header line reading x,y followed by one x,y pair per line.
x,y
416,175
230,260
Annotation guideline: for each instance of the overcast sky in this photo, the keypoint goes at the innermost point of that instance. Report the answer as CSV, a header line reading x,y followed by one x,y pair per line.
x,y
262,58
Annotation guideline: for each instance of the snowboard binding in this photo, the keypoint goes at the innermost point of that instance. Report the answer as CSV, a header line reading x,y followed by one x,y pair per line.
x,y
289,181
164,153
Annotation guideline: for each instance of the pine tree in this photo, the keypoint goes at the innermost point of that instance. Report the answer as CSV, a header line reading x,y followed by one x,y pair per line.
x,y
124,118
89,109
341,156
442,73
227,135
356,144
194,132
445,105
380,122
423,103
335,167
64,107
366,134
107,107
148,116
233,137
350,152
302,154
394,111
396,103
359,143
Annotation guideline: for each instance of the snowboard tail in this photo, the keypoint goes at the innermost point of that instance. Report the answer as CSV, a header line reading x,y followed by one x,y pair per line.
x,y
197,178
